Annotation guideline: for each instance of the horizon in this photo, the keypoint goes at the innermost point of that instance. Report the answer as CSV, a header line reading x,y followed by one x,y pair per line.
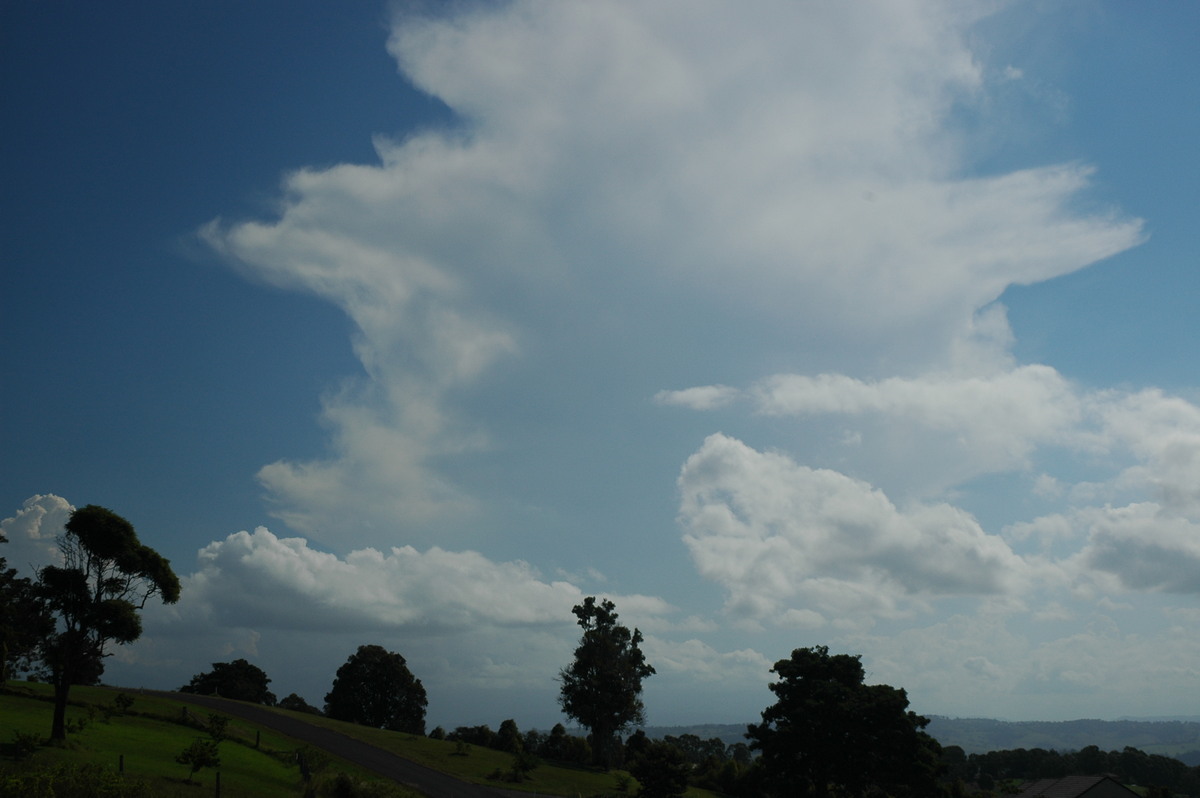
x,y
869,326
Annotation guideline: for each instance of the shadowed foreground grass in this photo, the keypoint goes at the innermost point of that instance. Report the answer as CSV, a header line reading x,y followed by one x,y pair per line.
x,y
145,741
255,761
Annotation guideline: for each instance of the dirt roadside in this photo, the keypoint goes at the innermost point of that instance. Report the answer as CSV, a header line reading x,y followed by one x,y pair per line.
x,y
427,781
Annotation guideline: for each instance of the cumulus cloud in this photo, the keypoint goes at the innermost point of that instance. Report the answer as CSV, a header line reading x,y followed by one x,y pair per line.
x,y
1145,547
703,663
780,536
794,173
32,533
256,579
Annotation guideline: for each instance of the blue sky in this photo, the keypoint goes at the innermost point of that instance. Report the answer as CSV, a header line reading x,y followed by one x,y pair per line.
x,y
864,325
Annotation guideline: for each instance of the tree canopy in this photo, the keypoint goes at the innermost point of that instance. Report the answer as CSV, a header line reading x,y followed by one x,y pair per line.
x,y
106,578
831,734
375,688
238,680
602,687
24,621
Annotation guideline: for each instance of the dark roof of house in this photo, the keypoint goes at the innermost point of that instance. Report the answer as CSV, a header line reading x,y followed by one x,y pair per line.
x,y
1068,787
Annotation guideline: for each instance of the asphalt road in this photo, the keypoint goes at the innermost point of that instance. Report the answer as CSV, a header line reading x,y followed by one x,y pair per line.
x,y
427,781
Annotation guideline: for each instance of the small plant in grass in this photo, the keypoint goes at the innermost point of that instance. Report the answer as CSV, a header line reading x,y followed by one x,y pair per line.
x,y
461,748
523,763
199,755
119,706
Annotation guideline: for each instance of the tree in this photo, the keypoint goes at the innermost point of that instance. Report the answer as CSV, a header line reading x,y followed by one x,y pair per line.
x,y
295,703
375,688
200,754
24,621
508,737
602,688
106,578
829,733
238,680
661,770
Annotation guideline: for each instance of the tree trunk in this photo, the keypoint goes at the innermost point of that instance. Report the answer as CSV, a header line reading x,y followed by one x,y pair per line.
x,y
58,730
602,747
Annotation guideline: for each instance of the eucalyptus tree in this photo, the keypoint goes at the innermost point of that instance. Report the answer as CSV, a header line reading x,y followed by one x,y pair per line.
x,y
95,598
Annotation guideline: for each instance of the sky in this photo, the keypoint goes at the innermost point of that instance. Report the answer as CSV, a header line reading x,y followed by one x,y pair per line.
x,y
867,325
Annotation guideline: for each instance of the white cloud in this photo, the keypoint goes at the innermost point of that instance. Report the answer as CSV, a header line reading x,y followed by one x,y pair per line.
x,y
1147,548
792,173
780,536
991,665
971,424
701,662
259,580
33,533
705,397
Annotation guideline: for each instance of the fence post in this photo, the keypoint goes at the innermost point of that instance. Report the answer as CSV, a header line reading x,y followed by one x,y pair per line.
x,y
218,784
121,763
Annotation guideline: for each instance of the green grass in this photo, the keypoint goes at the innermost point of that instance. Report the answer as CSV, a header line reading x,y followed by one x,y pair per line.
x,y
150,737
480,763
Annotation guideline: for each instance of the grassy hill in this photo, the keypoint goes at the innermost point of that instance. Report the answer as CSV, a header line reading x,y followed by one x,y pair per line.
x,y
255,761
144,743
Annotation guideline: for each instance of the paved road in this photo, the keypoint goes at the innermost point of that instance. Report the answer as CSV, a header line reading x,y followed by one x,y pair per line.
x,y
427,781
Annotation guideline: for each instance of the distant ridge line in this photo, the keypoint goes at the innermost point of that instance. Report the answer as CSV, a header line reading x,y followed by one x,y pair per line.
x,y
1177,737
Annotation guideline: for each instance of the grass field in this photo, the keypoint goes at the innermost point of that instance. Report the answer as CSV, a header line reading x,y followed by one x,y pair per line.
x,y
153,732
146,741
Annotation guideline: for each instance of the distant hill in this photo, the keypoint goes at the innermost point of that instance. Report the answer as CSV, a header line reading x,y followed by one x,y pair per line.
x,y
1178,738
729,733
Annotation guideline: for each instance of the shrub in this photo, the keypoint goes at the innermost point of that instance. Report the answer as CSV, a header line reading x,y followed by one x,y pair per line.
x,y
25,744
346,786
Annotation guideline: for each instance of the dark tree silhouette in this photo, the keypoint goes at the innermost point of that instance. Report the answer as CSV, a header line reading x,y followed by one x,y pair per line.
x,y
375,688
107,576
661,770
602,688
830,734
238,680
24,621
296,703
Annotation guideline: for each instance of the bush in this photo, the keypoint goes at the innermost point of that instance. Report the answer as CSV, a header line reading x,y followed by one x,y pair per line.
x,y
346,786
25,744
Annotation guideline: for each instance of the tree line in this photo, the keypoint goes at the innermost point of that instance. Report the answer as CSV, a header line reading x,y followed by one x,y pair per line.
x,y
828,734
1163,775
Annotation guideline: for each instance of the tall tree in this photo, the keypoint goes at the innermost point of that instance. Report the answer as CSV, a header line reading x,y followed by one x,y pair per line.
x,y
375,688
831,734
238,680
106,578
602,688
